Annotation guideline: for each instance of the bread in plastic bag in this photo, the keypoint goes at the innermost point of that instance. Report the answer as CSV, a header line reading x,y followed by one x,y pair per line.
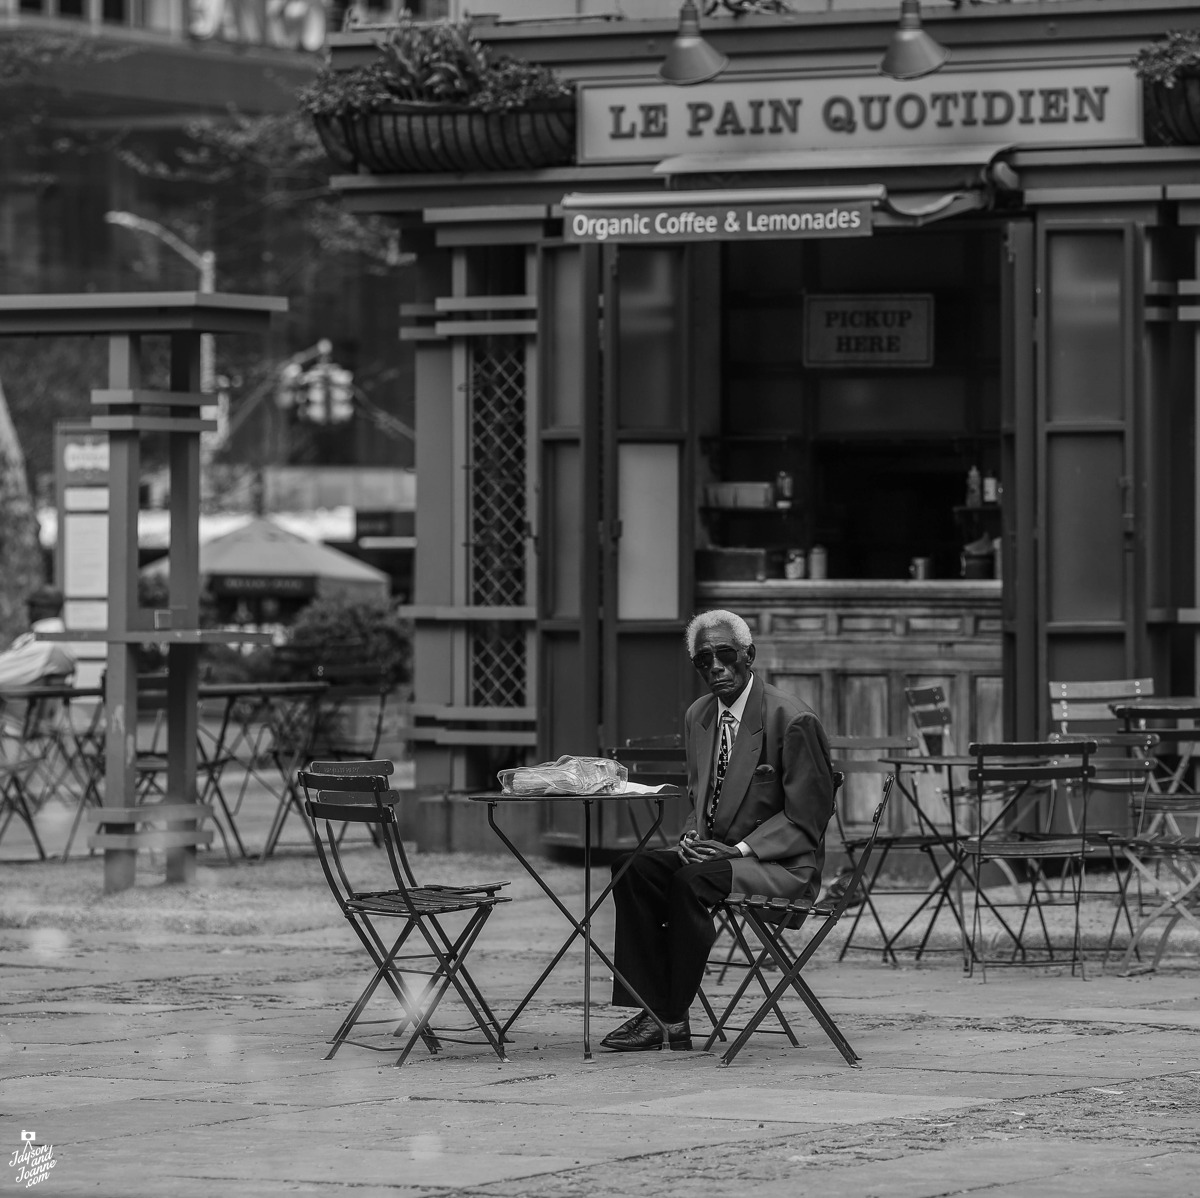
x,y
568,775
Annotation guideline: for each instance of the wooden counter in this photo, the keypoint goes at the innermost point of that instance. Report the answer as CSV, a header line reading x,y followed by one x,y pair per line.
x,y
850,647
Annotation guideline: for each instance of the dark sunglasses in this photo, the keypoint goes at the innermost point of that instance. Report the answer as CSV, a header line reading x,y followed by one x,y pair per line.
x,y
726,655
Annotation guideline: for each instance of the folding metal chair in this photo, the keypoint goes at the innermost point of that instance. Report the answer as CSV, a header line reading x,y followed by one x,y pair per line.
x,y
769,919
358,792
1164,862
728,925
1025,771
16,770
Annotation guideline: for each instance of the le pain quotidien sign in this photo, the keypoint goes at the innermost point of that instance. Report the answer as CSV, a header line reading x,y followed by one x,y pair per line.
x,y
1052,105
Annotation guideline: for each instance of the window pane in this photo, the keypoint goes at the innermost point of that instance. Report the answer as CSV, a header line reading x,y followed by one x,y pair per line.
x,y
648,508
1086,375
650,355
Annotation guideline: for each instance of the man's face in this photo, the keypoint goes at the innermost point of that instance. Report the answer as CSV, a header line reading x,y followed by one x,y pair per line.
x,y
724,666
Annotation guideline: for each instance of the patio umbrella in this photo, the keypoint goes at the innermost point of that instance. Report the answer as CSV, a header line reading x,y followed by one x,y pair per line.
x,y
261,559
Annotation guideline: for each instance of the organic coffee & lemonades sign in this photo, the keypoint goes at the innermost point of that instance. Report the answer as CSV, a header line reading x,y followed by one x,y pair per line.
x,y
1059,105
699,216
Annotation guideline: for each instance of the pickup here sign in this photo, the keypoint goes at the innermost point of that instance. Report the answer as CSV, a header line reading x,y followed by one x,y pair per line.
x,y
868,330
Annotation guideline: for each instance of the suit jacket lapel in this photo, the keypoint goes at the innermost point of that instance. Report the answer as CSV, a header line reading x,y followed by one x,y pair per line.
x,y
706,748
742,760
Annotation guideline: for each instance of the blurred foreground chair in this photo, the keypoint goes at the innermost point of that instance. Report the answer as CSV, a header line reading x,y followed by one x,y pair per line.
x,y
770,919
17,767
1163,854
337,793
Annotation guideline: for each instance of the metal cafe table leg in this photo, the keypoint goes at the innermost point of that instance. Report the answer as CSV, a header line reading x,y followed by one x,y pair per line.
x,y
583,926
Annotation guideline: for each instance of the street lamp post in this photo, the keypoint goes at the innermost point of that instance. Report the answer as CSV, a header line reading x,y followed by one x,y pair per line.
x,y
204,262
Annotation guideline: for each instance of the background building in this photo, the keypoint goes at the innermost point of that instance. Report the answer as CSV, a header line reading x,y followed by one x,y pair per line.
x,y
129,122
620,427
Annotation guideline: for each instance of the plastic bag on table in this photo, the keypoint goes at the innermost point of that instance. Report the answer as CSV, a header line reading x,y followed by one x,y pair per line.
x,y
567,775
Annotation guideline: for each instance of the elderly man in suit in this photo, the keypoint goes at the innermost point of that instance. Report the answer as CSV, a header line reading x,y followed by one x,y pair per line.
x,y
761,787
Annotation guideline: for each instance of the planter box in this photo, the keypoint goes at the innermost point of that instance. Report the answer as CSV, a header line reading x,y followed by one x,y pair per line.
x,y
1173,113
348,727
425,138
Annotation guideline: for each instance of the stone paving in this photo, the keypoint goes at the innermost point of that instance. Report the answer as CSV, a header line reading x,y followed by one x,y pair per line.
x,y
169,1041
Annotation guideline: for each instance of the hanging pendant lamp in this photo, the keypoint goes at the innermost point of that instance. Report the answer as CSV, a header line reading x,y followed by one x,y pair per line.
x,y
691,59
912,52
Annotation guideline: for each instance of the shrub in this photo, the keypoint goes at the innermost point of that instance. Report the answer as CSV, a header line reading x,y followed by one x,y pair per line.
x,y
1164,62
345,632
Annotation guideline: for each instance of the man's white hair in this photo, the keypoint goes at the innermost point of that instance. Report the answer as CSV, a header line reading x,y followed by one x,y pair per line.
x,y
742,636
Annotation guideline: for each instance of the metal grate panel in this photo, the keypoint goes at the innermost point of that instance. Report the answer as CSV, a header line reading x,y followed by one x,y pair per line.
x,y
499,521
498,665
498,516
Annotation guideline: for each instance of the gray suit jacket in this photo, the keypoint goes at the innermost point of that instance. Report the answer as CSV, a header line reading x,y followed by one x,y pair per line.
x,y
778,790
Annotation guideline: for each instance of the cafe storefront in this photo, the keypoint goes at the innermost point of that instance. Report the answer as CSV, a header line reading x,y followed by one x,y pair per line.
x,y
903,372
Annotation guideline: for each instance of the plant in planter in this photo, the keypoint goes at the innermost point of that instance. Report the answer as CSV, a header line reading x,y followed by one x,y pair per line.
x,y
436,99
347,632
354,646
1170,72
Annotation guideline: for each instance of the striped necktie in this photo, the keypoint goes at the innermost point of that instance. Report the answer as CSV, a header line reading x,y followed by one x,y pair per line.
x,y
722,766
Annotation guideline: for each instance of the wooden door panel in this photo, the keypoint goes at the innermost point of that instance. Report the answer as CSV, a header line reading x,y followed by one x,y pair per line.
x,y
807,688
1089,609
1085,563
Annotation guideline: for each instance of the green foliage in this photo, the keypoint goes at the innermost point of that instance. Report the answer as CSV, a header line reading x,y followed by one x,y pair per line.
x,y
438,63
1166,61
278,158
26,54
47,379
339,631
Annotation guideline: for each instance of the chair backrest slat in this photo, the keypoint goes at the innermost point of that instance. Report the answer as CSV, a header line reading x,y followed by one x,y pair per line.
x,y
1112,688
358,813
1033,748
340,797
353,769
1073,704
1030,773
874,746
1024,779
343,783
903,744
931,717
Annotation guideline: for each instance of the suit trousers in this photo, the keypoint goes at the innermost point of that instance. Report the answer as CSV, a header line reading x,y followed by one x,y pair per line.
x,y
665,928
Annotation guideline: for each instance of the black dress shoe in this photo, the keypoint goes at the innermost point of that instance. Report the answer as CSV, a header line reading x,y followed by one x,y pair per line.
x,y
642,1034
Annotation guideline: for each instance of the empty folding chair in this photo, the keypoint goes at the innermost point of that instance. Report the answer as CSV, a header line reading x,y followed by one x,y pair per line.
x,y
435,960
1025,772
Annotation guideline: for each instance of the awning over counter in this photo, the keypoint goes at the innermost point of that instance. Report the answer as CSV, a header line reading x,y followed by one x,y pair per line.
x,y
919,184
975,159
757,213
